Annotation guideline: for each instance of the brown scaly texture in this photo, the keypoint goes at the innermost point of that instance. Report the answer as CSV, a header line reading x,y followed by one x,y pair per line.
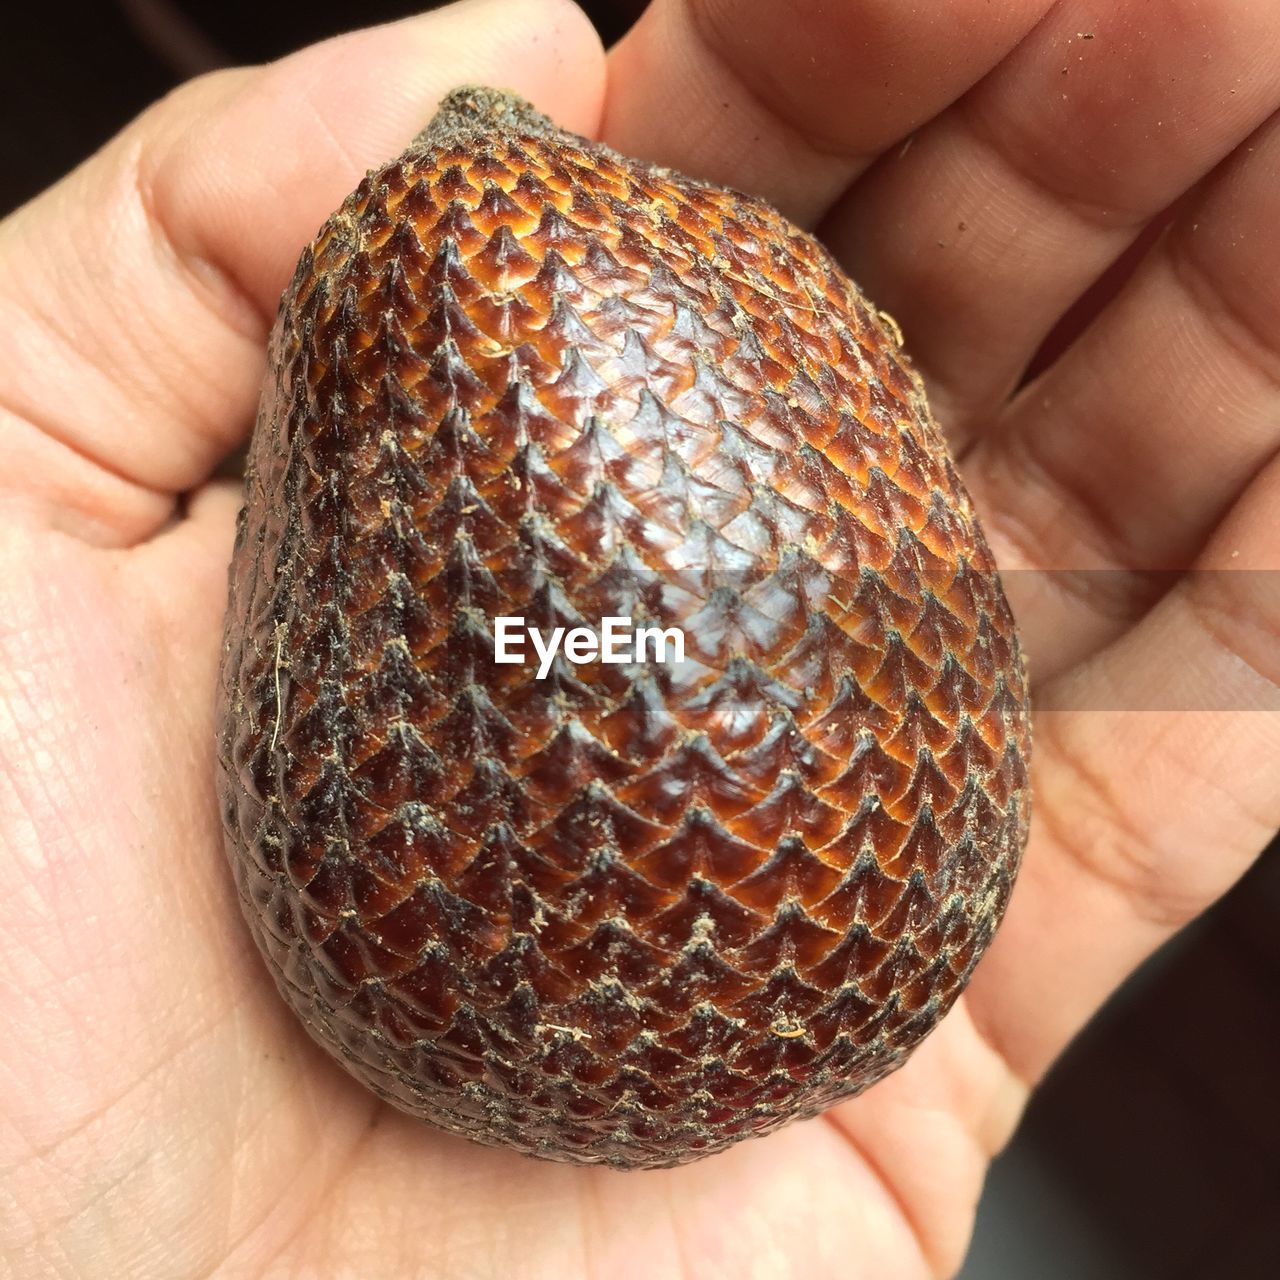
x,y
630,913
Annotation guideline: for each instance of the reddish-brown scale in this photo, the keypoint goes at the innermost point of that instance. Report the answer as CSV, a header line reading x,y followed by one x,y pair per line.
x,y
627,913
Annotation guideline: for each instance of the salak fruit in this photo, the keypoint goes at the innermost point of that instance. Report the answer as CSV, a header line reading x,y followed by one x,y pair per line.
x,y
629,912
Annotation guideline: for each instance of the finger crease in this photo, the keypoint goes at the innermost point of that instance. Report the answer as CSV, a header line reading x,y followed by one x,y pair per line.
x,y
824,148
47,428
212,283
1111,849
1113,591
1242,336
1096,215
910,1218
1226,621
1097,526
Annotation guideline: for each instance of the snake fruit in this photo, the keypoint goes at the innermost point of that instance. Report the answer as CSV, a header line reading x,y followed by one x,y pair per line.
x,y
626,912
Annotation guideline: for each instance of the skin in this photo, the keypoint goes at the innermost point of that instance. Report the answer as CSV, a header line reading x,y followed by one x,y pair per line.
x,y
978,166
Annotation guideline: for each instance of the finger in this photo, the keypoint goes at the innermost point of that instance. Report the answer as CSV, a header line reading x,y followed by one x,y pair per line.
x,y
186,563
1004,209
1125,454
933,1127
1144,817
790,101
136,294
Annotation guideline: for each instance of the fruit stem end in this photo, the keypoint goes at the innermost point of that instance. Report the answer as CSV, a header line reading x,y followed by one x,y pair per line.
x,y
472,110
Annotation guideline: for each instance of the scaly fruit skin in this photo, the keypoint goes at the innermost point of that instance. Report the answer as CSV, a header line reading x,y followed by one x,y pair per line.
x,y
630,913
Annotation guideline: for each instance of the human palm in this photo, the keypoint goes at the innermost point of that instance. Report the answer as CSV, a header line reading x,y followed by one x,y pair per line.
x,y
162,1113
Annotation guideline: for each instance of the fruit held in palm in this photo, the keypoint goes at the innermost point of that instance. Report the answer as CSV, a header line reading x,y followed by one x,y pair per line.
x,y
629,912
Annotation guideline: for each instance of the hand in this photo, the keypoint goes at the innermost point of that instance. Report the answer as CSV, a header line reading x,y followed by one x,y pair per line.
x,y
978,167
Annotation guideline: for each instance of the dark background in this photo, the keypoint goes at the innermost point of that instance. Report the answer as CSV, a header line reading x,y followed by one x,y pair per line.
x,y
1153,1150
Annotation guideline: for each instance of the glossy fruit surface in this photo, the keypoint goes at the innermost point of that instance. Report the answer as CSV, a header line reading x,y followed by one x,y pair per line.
x,y
630,912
